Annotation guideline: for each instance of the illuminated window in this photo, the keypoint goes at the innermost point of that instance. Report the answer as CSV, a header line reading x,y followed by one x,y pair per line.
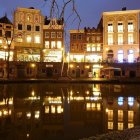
x,y
120,55
120,115
46,109
0,41
130,125
28,114
130,116
120,126
37,39
130,56
53,44
120,27
120,101
110,27
131,101
88,48
110,39
29,39
93,49
59,109
130,27
93,106
130,39
120,38
47,44
53,35
110,125
98,106
59,34
59,44
19,39
37,113
110,115
98,48
52,109
47,35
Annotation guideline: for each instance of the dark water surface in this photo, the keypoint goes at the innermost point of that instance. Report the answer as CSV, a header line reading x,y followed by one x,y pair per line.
x,y
66,111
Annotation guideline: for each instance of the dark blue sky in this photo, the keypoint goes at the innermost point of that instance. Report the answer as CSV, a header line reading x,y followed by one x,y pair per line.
x,y
89,10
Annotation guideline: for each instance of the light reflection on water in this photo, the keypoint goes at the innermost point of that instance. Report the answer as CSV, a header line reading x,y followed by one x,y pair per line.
x,y
66,111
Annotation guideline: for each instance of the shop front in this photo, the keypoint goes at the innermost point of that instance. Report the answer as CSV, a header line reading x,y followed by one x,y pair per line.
x,y
28,55
53,56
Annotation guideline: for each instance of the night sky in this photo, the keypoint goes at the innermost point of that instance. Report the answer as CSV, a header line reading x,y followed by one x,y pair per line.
x,y
89,10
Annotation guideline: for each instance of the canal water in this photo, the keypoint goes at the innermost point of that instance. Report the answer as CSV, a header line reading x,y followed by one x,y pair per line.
x,y
52,111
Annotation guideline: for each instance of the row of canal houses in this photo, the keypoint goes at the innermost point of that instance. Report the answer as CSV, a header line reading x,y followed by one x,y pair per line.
x,y
36,46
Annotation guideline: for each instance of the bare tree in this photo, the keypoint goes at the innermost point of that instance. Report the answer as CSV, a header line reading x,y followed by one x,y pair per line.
x,y
58,9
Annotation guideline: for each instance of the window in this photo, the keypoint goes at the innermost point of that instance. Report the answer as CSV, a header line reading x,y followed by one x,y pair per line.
x,y
9,27
120,101
8,33
59,34
110,125
29,39
130,56
120,115
28,27
59,44
130,116
37,28
130,27
0,41
74,37
88,48
98,38
120,39
53,35
130,39
120,56
37,39
53,44
110,39
93,49
19,26
120,27
0,32
47,44
110,27
120,126
130,125
19,38
79,37
110,114
98,48
130,101
47,35
0,25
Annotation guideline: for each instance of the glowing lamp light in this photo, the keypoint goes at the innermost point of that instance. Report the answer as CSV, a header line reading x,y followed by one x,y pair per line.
x,y
33,65
71,66
87,66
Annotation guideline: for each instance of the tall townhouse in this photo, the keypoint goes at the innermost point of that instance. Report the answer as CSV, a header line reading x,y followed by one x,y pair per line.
x,y
6,33
86,46
121,36
28,24
53,40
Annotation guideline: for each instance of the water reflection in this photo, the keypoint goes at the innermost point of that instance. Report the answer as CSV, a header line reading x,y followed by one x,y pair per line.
x,y
66,111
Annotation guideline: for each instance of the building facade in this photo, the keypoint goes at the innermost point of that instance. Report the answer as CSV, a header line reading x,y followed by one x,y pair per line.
x,y
53,40
121,36
28,24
